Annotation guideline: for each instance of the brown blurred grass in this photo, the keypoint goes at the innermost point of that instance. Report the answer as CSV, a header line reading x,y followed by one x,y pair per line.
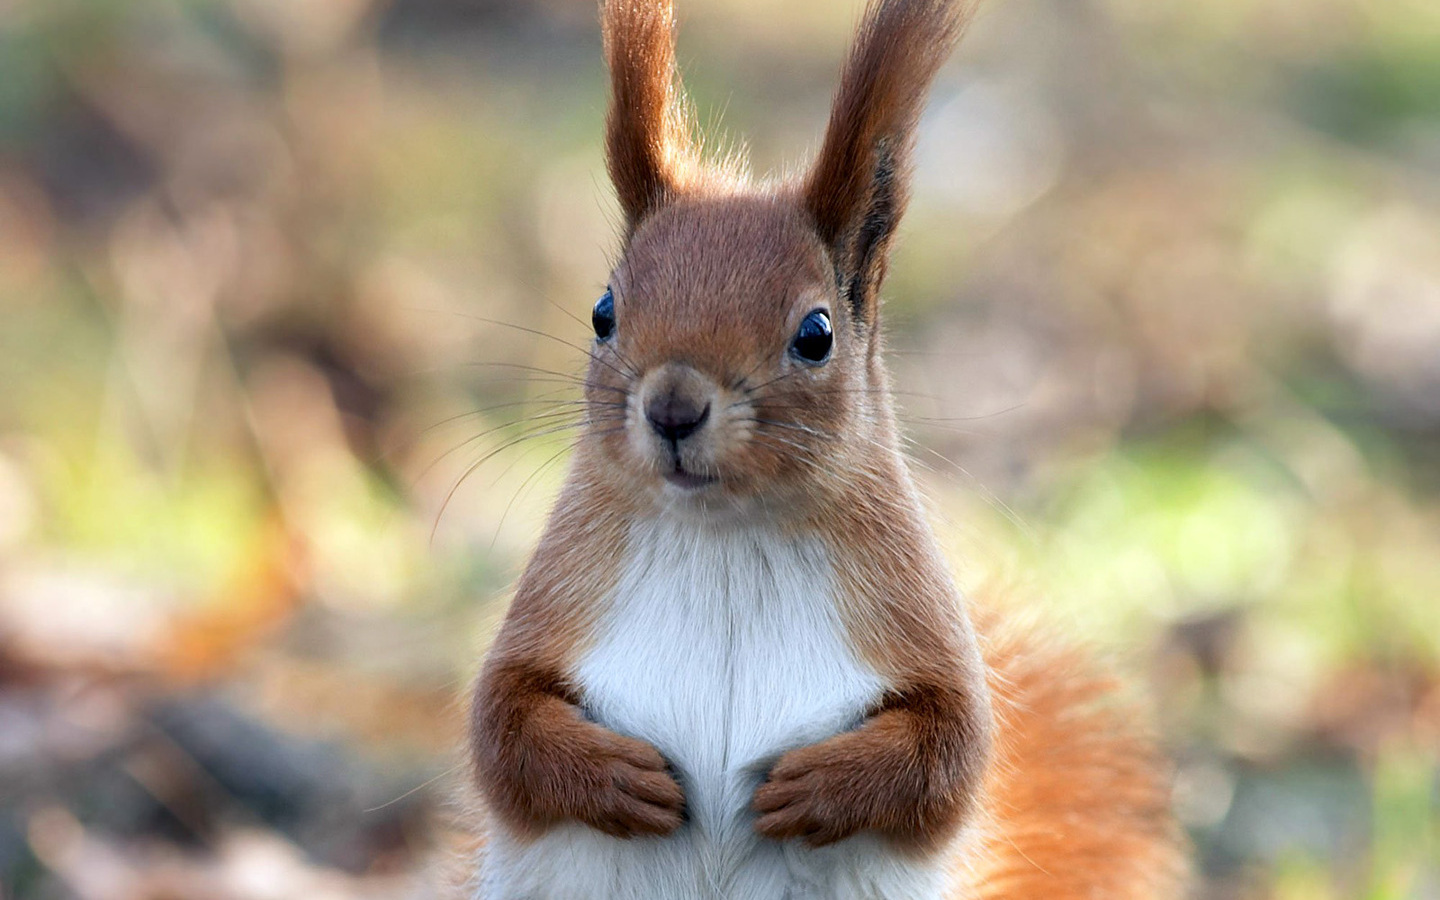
x,y
1166,321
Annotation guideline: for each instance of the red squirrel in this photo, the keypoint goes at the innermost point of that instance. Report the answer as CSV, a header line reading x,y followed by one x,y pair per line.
x,y
737,666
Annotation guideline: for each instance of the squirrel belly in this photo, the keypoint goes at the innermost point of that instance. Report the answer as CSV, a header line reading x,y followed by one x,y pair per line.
x,y
723,646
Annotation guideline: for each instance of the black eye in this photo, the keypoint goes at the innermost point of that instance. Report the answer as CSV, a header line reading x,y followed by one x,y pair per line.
x,y
603,316
813,340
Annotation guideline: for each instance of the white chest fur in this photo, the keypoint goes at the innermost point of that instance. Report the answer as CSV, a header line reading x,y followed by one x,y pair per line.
x,y
724,648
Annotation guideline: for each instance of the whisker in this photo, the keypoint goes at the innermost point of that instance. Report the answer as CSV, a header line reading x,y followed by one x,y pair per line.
x,y
588,351
739,382
545,420
569,376
764,384
557,377
470,470
802,456
513,463
523,485
543,404
416,789
753,396
614,348
975,418
499,406
794,426
579,321
990,497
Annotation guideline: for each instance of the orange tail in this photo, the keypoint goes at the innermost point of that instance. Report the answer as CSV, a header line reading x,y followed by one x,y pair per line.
x,y
1079,795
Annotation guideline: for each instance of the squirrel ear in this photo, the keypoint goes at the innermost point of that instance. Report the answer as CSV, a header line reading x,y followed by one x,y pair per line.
x,y
858,187
647,132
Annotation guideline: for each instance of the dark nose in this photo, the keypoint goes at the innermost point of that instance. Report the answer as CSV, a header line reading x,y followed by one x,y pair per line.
x,y
675,416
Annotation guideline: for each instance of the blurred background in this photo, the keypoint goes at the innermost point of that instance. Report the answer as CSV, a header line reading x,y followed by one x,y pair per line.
x,y
291,295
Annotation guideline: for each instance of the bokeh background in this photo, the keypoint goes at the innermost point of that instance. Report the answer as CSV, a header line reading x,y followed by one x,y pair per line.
x,y
276,275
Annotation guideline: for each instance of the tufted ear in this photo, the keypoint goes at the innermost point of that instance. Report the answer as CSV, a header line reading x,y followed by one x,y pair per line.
x,y
647,132
859,185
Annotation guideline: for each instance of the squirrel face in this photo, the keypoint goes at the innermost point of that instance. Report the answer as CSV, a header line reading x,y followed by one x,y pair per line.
x,y
724,343
737,353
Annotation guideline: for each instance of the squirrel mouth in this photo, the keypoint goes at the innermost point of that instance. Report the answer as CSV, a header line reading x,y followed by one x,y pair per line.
x,y
688,480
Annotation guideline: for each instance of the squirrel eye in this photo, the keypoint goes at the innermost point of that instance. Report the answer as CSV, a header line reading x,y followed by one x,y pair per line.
x,y
813,341
603,316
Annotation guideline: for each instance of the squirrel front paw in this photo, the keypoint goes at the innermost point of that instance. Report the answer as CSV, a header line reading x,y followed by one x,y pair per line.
x,y
816,794
629,791
901,775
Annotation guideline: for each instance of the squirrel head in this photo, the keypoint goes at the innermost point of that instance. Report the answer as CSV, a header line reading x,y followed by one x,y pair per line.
x,y
737,345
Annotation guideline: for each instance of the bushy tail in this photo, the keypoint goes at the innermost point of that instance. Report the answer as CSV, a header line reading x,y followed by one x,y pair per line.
x,y
1079,795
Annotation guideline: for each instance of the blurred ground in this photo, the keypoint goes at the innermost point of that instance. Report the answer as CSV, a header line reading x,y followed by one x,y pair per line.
x,y
1166,320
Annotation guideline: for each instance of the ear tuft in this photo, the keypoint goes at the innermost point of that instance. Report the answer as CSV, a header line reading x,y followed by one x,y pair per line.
x,y
857,190
647,137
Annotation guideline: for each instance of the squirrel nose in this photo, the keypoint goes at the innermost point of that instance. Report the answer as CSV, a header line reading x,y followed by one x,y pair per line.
x,y
675,416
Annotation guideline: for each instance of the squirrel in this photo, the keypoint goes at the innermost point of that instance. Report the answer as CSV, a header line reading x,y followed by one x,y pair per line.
x,y
736,667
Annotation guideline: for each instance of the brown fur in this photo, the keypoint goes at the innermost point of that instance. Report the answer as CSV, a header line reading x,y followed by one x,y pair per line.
x,y
858,189
647,133
714,279
1078,794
